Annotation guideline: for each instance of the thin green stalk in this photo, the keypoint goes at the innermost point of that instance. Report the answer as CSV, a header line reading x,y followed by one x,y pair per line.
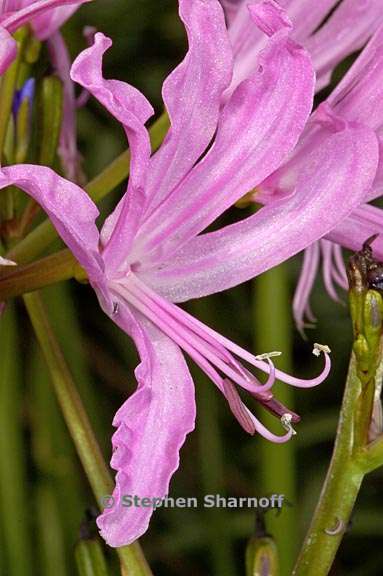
x,y
90,558
63,314
132,560
277,463
212,468
43,235
51,537
59,487
14,497
16,280
218,537
353,450
339,492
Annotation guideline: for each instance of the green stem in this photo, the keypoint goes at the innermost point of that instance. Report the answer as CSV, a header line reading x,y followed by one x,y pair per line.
x,y
339,492
51,537
17,280
273,331
371,457
213,479
43,235
14,497
132,560
218,537
90,558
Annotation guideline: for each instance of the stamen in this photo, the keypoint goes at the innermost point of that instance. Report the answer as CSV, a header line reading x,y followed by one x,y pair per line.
x,y
286,420
267,355
319,348
247,420
278,409
213,354
200,336
238,408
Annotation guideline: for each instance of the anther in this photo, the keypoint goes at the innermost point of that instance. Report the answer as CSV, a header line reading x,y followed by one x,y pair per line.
x,y
286,423
268,355
318,348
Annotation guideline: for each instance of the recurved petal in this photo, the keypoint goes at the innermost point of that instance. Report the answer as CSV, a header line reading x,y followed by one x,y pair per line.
x,y
69,208
132,109
258,127
33,11
151,428
247,40
307,15
359,95
329,185
192,95
231,8
346,31
362,223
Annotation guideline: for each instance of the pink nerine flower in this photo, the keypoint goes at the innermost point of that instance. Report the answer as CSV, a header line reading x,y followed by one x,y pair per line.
x,y
152,250
45,16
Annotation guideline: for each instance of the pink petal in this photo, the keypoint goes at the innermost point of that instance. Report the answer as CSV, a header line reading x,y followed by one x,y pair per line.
x,y
70,209
258,127
346,31
192,95
13,20
331,183
247,40
8,49
362,223
301,300
359,95
151,428
307,15
132,109
231,8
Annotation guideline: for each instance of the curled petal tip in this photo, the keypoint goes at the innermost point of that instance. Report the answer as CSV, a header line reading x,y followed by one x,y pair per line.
x,y
321,348
270,17
286,420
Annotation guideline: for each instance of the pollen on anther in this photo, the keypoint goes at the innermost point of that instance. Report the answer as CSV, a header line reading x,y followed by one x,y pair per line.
x,y
286,423
268,355
318,348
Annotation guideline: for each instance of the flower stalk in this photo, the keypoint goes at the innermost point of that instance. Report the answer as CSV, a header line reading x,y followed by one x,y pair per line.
x,y
131,557
356,452
272,328
50,270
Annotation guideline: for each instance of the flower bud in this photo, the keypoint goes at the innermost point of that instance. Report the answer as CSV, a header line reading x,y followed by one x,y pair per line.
x,y
261,557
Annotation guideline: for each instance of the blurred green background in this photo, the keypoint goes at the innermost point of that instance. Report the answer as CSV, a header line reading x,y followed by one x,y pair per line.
x,y
44,494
